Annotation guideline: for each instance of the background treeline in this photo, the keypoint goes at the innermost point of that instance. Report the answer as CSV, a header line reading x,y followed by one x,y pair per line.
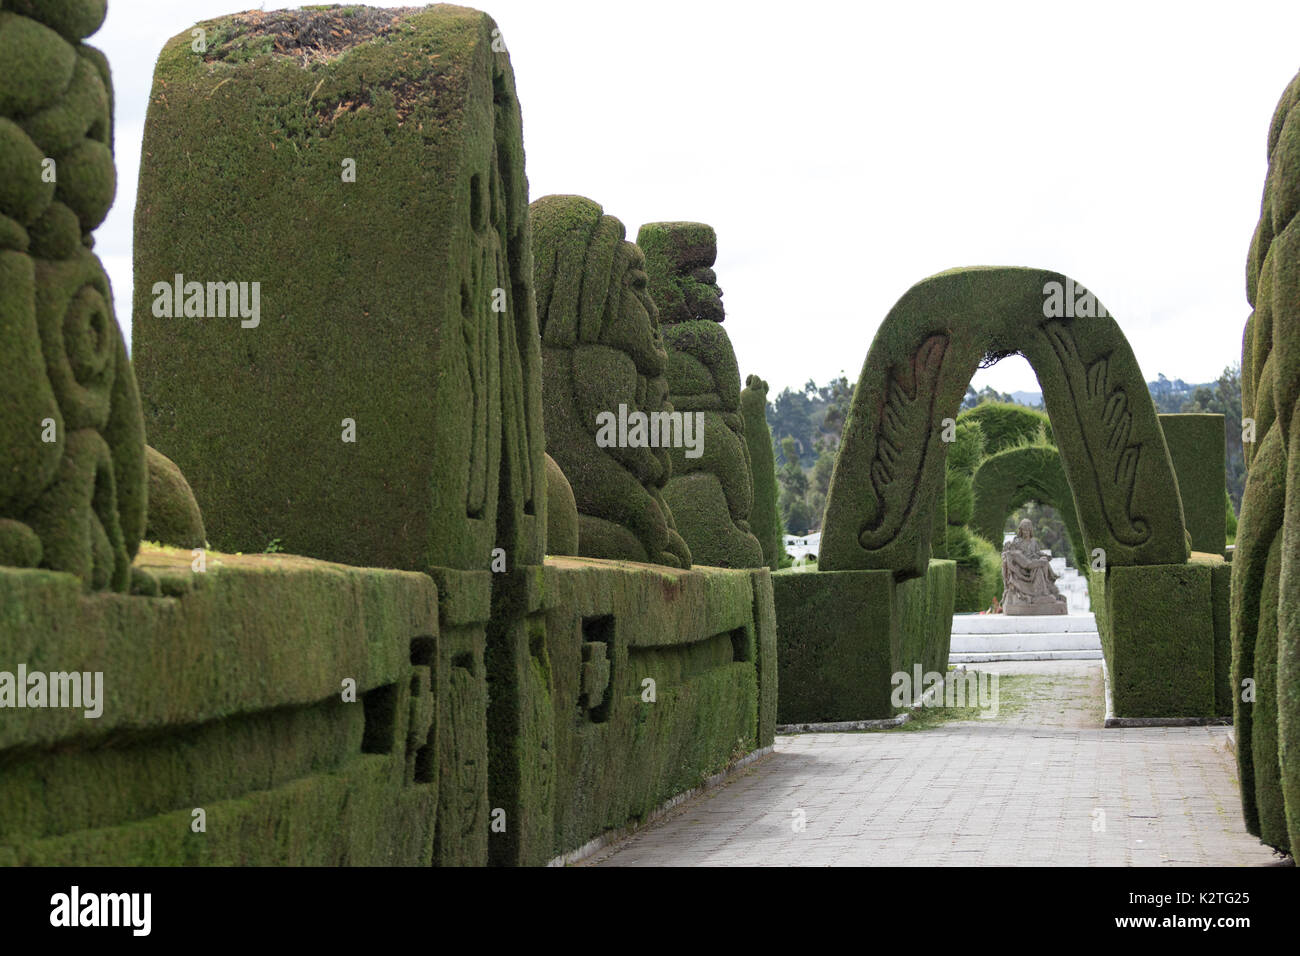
x,y
807,425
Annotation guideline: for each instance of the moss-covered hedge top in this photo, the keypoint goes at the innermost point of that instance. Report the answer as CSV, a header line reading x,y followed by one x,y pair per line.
x,y
679,261
891,460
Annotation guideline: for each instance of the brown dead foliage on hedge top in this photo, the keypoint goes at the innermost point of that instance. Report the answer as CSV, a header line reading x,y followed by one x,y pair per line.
x,y
312,33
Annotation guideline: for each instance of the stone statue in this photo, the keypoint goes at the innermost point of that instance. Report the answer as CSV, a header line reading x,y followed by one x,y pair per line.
x,y
1027,576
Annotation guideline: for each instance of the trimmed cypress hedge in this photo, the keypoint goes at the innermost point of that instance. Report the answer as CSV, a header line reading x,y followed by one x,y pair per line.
x,y
602,356
890,462
843,635
765,517
1157,629
1006,425
1266,558
371,180
174,516
1199,454
73,487
561,512
711,496
1017,474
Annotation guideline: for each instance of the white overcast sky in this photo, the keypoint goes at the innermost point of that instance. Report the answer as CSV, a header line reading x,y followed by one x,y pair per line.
x,y
844,151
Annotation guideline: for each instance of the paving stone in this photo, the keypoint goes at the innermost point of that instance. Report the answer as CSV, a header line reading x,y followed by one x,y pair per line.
x,y
1016,790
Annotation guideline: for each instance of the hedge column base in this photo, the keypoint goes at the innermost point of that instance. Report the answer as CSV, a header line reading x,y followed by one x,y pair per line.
x,y
1163,631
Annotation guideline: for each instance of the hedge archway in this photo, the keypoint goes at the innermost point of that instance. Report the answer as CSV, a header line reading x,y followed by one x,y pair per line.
x,y
890,467
1009,478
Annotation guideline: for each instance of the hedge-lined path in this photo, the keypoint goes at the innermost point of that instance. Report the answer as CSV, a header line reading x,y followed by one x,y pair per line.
x,y
1043,783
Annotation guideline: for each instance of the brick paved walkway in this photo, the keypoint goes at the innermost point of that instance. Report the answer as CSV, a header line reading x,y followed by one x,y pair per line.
x,y
1044,784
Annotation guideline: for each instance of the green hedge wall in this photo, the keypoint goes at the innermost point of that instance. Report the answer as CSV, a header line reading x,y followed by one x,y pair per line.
x,y
842,635
1006,425
1199,454
1265,566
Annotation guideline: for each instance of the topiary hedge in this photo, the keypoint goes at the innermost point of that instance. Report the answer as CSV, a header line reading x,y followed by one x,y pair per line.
x,y
73,487
1199,454
1005,425
1266,562
1020,473
361,172
764,517
711,494
603,355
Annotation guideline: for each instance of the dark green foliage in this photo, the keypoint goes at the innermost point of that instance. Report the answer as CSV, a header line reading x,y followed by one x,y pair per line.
x,y
1229,519
1221,397
561,512
72,489
764,518
978,571
710,496
838,643
1157,628
694,634
1024,473
1196,448
601,350
679,260
1006,424
1266,560
226,695
842,635
378,297
890,464
174,517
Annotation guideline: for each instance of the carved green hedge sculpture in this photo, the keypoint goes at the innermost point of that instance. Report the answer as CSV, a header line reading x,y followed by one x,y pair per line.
x,y
364,168
601,351
712,494
1266,561
174,516
72,489
765,518
890,463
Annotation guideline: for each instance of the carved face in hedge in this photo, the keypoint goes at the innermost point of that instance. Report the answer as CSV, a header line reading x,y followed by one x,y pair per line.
x,y
679,261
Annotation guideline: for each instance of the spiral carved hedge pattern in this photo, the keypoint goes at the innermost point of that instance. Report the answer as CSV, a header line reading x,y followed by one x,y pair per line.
x,y
73,489
1266,564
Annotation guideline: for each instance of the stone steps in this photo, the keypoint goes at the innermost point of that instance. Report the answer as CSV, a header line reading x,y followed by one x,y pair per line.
x,y
997,637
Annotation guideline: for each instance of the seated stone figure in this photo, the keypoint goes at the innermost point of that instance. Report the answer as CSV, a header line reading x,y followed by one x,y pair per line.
x,y
1027,576
601,349
711,495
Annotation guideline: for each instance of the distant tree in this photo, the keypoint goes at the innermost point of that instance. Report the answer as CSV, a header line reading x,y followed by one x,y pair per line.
x,y
795,514
986,394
